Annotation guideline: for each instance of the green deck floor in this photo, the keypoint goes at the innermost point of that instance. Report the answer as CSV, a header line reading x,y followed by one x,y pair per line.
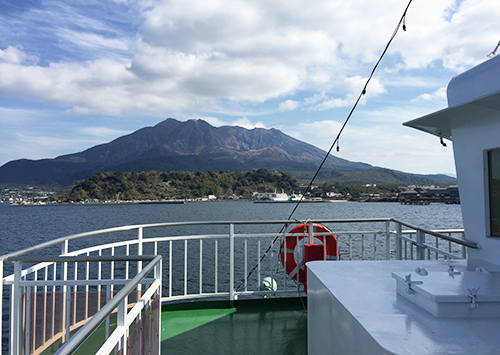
x,y
277,326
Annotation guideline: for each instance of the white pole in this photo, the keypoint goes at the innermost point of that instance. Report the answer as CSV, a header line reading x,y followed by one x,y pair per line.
x,y
16,310
231,262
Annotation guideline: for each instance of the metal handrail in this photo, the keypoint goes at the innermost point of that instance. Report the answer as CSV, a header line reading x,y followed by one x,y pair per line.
x,y
466,243
76,340
78,258
177,224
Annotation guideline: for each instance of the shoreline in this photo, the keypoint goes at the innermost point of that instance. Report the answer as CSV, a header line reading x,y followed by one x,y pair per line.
x,y
425,202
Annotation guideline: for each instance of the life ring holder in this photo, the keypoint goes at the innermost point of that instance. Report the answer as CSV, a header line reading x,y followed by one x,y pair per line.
x,y
292,247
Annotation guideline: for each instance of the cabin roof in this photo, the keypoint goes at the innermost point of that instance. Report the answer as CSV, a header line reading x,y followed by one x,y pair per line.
x,y
474,93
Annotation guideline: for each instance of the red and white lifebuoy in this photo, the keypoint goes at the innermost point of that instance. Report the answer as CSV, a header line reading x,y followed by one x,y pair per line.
x,y
292,248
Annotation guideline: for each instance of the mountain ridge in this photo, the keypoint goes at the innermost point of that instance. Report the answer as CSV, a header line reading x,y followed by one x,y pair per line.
x,y
193,145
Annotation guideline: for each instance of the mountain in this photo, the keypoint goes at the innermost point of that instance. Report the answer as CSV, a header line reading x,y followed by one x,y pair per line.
x,y
193,145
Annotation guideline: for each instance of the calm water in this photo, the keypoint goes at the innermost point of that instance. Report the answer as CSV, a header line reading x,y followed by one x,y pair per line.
x,y
22,227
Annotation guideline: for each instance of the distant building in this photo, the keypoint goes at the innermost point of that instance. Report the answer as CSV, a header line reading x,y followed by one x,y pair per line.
x,y
409,193
451,191
303,188
436,192
333,195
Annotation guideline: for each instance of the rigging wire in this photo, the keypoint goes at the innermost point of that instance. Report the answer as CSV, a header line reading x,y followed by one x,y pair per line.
x,y
494,52
336,141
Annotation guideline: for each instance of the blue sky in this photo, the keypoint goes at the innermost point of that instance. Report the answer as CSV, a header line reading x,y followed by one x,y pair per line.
x,y
75,74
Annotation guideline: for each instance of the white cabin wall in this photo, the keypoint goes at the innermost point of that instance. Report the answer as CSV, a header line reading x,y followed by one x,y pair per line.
x,y
472,137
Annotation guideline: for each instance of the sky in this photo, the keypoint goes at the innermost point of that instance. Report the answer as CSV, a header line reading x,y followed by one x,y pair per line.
x,y
74,74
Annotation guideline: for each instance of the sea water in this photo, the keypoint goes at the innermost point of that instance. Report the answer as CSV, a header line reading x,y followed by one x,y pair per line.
x,y
22,227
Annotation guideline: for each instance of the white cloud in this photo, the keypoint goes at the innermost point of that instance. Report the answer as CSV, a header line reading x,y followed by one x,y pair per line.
x,y
310,101
16,55
214,121
398,148
91,41
18,117
246,123
103,132
288,105
192,58
191,53
331,104
441,31
77,110
353,86
39,144
100,86
439,94
242,122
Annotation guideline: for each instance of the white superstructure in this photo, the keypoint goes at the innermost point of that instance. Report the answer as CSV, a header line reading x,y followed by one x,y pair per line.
x,y
428,307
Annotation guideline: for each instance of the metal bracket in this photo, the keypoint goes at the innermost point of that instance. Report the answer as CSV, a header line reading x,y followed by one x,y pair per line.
x,y
421,271
409,282
452,272
473,295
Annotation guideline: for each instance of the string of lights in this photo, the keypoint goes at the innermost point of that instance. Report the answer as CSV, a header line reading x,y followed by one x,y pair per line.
x,y
401,23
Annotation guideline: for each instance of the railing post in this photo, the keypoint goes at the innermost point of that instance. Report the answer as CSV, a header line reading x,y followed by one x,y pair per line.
x,y
139,244
420,247
464,248
139,252
387,240
159,276
170,268
120,322
362,247
139,248
106,328
27,320
399,242
246,265
185,266
201,267
65,298
1,302
258,262
231,262
16,311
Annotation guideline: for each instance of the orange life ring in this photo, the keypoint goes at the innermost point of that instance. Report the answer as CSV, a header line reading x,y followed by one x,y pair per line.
x,y
291,245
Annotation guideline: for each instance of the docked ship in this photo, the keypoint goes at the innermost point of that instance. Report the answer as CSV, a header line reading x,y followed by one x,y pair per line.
x,y
279,197
239,287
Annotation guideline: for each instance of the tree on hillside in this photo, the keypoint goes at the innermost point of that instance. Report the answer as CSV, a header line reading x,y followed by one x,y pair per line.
x,y
156,185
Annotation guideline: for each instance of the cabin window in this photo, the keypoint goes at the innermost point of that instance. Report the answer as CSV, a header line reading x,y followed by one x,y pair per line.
x,y
494,191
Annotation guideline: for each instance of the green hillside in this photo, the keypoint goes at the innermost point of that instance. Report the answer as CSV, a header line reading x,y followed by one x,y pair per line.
x,y
178,185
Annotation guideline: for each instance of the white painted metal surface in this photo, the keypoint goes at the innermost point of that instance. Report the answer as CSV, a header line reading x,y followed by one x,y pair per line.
x,y
451,293
353,308
358,308
475,83
473,122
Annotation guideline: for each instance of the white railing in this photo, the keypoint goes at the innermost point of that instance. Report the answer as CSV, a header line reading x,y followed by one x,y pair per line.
x,y
414,243
53,304
218,260
150,299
